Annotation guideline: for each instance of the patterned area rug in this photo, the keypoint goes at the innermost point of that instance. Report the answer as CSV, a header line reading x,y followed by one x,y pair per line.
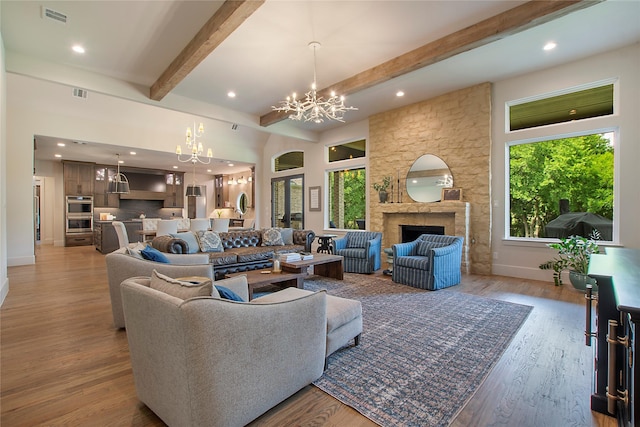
x,y
422,354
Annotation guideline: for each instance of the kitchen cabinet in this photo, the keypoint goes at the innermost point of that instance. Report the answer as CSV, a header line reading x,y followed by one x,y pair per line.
x,y
78,178
101,197
105,238
222,191
174,197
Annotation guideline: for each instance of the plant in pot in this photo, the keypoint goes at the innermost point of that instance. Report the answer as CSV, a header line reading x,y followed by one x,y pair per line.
x,y
382,188
573,255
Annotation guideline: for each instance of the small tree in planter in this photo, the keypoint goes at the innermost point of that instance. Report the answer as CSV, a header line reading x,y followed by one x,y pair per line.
x,y
382,188
573,255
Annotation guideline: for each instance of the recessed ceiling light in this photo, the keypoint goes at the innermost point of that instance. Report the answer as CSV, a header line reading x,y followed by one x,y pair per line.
x,y
61,144
230,164
57,155
550,46
231,94
133,153
209,170
121,161
399,93
175,167
77,48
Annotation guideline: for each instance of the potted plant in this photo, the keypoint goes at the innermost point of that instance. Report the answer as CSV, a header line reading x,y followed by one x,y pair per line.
x,y
573,255
382,188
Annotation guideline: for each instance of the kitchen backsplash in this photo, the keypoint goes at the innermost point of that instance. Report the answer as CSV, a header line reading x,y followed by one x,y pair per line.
x,y
130,209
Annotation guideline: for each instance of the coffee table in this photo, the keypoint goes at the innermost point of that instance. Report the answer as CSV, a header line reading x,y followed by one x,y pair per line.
x,y
261,278
326,265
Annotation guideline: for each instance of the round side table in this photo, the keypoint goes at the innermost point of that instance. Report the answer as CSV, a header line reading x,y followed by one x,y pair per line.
x,y
326,243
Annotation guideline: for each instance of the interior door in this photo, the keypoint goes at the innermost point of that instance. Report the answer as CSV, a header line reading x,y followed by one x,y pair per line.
x,y
287,202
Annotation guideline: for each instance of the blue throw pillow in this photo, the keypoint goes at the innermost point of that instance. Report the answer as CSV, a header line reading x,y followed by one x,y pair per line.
x,y
227,293
153,254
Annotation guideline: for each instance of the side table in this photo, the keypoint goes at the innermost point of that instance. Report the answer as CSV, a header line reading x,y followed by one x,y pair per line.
x,y
326,243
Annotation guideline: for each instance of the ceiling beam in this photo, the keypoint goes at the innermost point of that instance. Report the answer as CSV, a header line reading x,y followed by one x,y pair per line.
x,y
512,21
223,22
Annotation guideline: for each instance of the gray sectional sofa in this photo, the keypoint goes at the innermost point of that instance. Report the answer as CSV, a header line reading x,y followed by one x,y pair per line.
x,y
240,250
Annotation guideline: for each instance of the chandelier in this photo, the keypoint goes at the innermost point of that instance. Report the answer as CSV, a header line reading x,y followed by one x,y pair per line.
x,y
194,146
120,183
314,108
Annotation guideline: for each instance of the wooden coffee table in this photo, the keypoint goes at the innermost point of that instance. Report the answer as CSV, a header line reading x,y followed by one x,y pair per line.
x,y
323,265
260,278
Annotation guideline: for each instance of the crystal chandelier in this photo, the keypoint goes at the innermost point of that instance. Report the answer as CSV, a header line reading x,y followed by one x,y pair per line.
x,y
314,108
194,146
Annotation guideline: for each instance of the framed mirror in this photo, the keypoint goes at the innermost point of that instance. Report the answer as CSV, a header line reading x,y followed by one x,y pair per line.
x,y
242,203
427,177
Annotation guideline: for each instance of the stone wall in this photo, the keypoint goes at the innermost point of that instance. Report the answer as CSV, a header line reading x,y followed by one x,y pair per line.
x,y
455,127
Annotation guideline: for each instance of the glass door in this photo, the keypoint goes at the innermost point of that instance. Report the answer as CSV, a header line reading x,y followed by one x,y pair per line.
x,y
287,202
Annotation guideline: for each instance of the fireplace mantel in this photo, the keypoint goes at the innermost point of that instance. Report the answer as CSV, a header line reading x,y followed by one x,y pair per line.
x,y
454,216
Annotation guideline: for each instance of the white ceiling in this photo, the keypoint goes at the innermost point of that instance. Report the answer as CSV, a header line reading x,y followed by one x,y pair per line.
x,y
267,57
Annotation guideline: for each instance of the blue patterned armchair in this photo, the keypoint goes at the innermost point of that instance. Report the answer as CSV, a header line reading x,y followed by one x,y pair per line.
x,y
361,251
430,262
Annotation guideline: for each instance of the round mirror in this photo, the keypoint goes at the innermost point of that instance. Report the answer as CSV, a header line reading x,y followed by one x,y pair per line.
x,y
242,202
427,177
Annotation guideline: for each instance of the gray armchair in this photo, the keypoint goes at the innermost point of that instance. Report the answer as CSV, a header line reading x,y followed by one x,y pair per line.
x,y
430,262
203,361
361,251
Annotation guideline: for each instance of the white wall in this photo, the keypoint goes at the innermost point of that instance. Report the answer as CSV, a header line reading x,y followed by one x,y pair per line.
x,y
521,259
40,107
4,280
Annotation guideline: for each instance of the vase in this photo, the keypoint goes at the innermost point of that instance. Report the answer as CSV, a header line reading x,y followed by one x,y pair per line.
x,y
581,280
383,196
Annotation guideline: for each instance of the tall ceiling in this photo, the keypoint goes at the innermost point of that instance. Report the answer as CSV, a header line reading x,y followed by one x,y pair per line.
x,y
259,50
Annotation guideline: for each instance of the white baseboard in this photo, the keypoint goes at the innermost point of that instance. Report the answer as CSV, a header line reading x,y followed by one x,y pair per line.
x,y
23,260
522,272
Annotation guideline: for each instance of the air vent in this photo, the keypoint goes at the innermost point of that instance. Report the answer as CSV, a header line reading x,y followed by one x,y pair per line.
x,y
53,15
80,93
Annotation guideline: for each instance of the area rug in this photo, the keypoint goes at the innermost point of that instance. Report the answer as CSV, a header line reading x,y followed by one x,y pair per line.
x,y
422,354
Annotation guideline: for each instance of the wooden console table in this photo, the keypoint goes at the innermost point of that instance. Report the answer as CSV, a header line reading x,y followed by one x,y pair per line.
x,y
616,351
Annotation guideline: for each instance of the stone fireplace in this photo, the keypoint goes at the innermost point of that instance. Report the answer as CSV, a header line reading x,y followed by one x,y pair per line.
x,y
453,216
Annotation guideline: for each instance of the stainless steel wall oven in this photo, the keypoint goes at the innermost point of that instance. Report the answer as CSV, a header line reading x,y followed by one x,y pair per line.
x,y
79,214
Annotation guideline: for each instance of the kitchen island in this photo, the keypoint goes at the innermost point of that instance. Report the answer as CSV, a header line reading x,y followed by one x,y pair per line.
x,y
105,238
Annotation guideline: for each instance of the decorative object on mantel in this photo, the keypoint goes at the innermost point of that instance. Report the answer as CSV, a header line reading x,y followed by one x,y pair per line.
x,y
314,108
196,147
573,255
382,188
451,194
120,183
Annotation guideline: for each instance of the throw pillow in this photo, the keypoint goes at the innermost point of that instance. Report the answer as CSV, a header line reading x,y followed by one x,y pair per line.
x,y
227,293
272,237
425,246
135,250
357,240
189,237
287,236
210,241
179,289
153,254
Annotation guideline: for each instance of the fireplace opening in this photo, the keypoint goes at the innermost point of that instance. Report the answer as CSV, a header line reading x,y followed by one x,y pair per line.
x,y
412,232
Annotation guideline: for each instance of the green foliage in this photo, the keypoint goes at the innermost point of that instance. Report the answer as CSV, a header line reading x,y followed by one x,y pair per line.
x,y
573,254
579,169
386,182
347,197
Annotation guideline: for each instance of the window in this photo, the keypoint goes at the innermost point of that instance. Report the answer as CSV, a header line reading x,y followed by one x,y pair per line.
x,y
349,150
287,161
562,186
577,105
347,198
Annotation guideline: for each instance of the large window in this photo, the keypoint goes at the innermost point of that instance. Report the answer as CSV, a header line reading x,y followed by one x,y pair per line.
x,y
347,198
562,186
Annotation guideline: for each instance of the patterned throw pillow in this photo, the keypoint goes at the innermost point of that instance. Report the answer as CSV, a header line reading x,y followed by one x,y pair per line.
x,y
272,237
425,246
178,289
210,241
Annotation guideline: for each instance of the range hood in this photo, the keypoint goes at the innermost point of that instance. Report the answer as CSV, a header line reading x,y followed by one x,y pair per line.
x,y
143,195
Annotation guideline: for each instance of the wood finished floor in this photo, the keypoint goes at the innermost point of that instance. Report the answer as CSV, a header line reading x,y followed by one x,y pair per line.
x,y
63,363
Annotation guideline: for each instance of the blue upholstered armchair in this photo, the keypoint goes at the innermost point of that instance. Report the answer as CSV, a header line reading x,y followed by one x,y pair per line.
x,y
361,251
430,262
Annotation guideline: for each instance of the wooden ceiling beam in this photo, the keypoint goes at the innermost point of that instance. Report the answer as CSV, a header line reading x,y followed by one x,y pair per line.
x,y
223,22
512,21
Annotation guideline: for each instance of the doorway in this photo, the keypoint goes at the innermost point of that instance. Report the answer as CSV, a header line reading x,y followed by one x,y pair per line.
x,y
287,202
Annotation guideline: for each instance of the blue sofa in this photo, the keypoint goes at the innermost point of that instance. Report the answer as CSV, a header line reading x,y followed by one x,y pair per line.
x,y
430,262
361,251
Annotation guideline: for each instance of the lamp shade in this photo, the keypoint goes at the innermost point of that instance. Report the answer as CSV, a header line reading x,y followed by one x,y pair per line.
x,y
119,185
193,191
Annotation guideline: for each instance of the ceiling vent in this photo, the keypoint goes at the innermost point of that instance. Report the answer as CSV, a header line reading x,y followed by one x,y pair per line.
x,y
54,15
80,93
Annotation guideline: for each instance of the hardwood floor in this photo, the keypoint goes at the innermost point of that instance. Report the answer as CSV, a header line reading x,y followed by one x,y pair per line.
x,y
63,363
